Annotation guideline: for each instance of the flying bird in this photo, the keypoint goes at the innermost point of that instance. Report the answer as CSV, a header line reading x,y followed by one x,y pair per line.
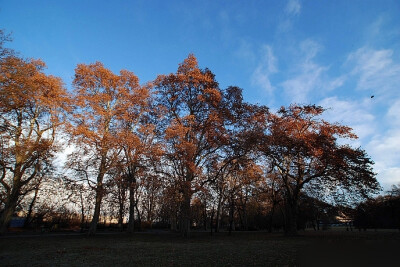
x,y
372,96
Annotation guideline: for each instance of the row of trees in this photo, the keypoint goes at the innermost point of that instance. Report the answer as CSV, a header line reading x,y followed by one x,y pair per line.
x,y
172,145
381,212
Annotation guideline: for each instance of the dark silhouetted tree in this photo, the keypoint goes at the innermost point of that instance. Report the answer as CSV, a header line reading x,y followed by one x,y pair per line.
x,y
304,152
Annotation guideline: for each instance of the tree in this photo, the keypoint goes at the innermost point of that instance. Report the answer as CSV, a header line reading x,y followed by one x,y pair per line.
x,y
194,126
151,195
244,124
304,152
32,105
118,191
82,198
381,212
102,100
141,148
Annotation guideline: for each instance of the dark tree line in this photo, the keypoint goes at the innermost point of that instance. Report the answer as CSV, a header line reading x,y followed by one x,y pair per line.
x,y
380,212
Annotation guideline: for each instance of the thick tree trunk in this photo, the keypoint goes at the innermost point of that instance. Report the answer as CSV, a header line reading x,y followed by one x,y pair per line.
x,y
121,216
99,197
30,209
139,216
291,217
11,200
185,215
8,211
185,211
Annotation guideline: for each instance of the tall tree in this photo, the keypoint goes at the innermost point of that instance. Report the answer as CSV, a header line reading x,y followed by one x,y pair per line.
x,y
103,100
118,193
244,124
32,105
141,147
304,153
194,126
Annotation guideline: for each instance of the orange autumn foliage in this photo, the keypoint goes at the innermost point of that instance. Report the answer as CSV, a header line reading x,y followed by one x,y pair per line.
x,y
32,110
105,104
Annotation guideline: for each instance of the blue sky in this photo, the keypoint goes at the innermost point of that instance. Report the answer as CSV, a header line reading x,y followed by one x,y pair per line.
x,y
333,53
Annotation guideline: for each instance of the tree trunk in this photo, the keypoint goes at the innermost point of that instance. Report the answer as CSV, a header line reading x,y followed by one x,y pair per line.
x,y
173,222
8,211
245,220
271,217
291,217
31,205
218,215
139,216
205,216
99,197
11,200
131,222
211,220
185,214
121,216
231,210
82,213
121,205
240,215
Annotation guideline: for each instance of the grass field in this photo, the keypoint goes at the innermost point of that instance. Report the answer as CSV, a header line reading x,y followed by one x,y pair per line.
x,y
325,248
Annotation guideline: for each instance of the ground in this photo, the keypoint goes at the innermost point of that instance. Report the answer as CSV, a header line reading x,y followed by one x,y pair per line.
x,y
324,248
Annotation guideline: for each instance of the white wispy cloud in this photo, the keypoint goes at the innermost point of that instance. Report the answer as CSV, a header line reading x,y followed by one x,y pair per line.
x,y
309,76
384,147
246,52
389,177
335,82
299,87
375,29
381,30
309,48
293,7
355,114
393,114
375,69
266,67
292,10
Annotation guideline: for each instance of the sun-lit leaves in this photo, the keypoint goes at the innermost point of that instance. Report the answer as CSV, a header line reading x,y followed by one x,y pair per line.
x,y
195,124
32,109
108,110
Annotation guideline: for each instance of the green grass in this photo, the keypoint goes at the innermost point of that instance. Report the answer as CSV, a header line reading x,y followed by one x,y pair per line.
x,y
330,248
